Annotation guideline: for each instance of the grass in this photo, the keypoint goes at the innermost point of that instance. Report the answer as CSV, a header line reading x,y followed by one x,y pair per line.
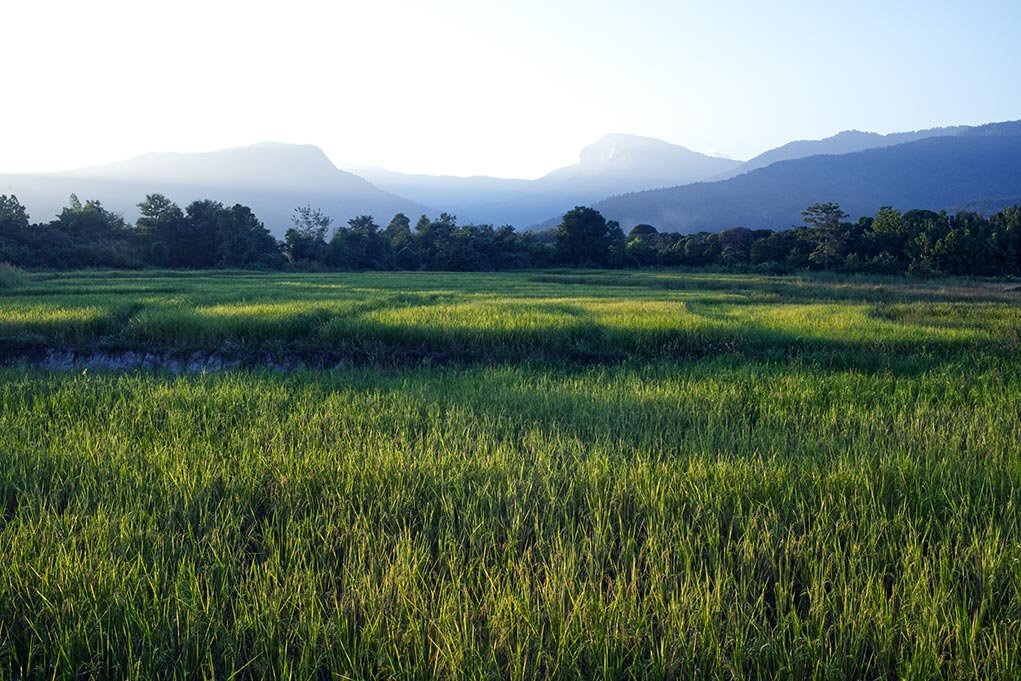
x,y
507,317
828,489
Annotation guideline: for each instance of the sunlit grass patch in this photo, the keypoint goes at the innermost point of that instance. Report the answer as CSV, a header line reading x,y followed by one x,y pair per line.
x,y
57,325
668,518
593,315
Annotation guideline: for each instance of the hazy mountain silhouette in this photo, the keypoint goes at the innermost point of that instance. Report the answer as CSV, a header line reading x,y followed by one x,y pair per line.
x,y
632,161
975,166
846,142
939,168
271,178
616,163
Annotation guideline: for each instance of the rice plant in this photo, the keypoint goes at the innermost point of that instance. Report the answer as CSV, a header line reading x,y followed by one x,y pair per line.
x,y
749,483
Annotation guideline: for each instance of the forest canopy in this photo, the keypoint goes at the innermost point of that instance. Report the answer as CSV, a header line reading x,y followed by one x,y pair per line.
x,y
207,234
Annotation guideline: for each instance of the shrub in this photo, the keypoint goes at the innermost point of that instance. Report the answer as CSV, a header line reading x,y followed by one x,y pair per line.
x,y
11,276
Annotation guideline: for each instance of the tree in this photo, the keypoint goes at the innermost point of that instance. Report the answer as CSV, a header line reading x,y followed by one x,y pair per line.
x,y
197,241
157,209
643,246
86,235
245,241
616,245
642,230
641,251
305,242
702,249
583,238
823,220
398,232
402,242
511,249
89,221
13,230
433,237
366,247
160,229
1008,226
736,245
13,216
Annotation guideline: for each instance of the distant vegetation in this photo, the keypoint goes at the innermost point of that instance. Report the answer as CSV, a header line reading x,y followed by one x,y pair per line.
x,y
11,276
207,234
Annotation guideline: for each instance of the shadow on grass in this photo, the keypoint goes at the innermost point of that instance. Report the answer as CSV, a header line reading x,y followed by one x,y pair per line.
x,y
799,290
401,319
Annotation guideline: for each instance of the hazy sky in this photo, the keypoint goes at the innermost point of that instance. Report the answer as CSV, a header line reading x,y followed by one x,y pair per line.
x,y
501,88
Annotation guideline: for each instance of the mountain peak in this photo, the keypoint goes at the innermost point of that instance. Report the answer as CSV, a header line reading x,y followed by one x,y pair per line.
x,y
270,177
622,152
855,134
641,161
308,151
264,164
623,139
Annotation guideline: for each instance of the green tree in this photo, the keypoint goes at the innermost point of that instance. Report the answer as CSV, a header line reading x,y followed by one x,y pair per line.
x,y
160,228
367,249
398,232
156,210
824,222
13,217
14,231
642,230
245,241
196,242
402,242
583,238
433,237
616,245
305,241
90,222
1008,228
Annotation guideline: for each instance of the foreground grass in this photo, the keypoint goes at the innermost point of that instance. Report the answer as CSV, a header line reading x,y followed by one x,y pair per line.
x,y
745,514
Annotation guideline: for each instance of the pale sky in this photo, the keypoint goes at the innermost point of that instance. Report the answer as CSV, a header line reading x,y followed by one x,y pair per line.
x,y
511,89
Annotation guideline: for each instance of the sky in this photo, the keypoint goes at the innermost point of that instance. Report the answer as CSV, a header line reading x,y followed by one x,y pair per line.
x,y
510,89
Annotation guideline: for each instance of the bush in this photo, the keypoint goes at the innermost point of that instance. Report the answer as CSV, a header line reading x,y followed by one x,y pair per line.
x,y
11,276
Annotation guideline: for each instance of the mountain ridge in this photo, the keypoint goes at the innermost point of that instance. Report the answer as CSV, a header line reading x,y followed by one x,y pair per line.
x,y
935,172
843,142
615,163
628,175
272,178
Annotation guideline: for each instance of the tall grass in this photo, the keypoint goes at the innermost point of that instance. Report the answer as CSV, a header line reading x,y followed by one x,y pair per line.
x,y
718,518
736,515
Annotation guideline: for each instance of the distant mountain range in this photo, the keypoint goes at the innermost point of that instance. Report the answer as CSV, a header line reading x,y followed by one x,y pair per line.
x,y
630,179
970,167
846,142
270,178
613,165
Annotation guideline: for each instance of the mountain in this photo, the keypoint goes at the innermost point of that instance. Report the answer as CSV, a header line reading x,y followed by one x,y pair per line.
x,y
633,162
271,178
846,142
613,165
976,165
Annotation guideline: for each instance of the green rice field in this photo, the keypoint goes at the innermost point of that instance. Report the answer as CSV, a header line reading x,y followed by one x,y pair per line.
x,y
555,474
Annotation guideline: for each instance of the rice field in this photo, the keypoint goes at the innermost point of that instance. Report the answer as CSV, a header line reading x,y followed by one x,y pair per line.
x,y
506,317
531,475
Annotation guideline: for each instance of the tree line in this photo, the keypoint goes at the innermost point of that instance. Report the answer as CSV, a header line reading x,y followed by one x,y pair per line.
x,y
208,234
